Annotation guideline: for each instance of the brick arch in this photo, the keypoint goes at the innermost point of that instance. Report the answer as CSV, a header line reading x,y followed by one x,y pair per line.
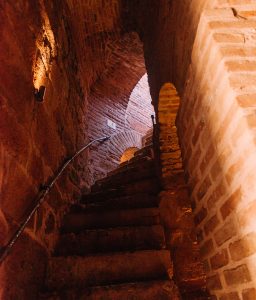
x,y
128,154
168,106
177,216
109,98
121,142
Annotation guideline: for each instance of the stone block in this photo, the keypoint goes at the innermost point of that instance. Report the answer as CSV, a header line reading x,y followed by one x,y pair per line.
x,y
238,275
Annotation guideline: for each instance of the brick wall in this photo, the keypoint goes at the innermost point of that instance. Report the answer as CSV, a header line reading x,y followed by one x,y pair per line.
x,y
175,204
89,65
167,31
207,49
120,96
45,43
89,68
121,142
216,130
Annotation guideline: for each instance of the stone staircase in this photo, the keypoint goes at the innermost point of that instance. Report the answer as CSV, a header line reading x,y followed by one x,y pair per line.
x,y
147,139
112,246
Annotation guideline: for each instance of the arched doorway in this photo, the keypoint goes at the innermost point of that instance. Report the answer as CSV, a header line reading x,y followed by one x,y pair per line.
x,y
128,154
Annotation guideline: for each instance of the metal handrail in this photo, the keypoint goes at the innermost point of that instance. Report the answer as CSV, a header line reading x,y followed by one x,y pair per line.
x,y
5,250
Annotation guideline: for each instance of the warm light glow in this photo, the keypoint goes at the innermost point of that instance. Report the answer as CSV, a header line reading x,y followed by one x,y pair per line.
x,y
45,52
139,109
128,154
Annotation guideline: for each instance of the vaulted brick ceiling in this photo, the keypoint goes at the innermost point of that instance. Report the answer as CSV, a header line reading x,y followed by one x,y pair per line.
x,y
97,29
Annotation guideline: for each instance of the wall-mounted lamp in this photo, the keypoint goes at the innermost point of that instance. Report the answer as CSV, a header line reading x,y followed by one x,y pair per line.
x,y
153,119
39,93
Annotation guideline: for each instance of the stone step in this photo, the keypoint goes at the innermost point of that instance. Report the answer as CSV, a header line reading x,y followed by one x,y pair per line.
x,y
137,158
125,202
133,174
149,186
77,272
150,290
148,140
111,240
145,151
148,134
132,164
77,222
149,143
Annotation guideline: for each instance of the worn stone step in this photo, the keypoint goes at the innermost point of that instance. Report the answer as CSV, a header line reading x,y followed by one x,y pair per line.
x,y
145,151
149,143
77,271
149,186
138,158
77,222
125,177
126,202
148,135
150,290
147,140
111,240
131,164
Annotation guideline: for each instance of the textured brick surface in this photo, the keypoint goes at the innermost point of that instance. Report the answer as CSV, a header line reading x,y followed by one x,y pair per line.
x,y
230,296
36,137
226,232
219,260
211,224
207,248
78,52
213,283
215,122
237,275
249,294
175,207
243,247
122,97
89,61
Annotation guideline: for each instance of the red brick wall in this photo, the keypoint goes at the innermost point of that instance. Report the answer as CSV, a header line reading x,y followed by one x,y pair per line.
x,y
109,100
207,49
121,142
174,201
89,68
216,130
45,42
167,31
71,47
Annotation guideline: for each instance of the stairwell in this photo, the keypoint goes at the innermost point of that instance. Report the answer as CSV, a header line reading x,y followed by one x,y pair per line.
x,y
112,245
